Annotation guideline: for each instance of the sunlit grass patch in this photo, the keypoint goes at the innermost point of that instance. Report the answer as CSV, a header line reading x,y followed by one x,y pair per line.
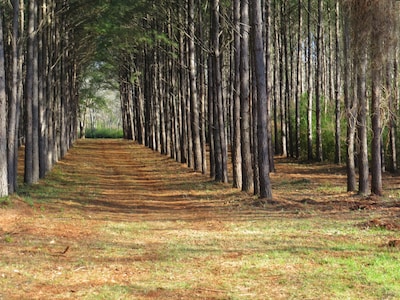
x,y
109,291
331,188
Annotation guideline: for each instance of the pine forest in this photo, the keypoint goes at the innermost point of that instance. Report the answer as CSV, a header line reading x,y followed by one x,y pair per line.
x,y
222,86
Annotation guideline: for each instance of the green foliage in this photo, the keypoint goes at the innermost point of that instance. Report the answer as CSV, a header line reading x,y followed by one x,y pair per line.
x,y
104,133
8,239
5,201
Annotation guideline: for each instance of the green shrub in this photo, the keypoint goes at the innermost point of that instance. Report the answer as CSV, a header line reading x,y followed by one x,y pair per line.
x,y
5,201
104,133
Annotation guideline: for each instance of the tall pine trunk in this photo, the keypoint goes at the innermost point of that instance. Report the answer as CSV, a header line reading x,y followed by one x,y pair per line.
x,y
338,153
363,166
299,79
3,113
31,101
194,105
318,83
351,105
236,145
309,85
221,168
13,106
247,170
265,189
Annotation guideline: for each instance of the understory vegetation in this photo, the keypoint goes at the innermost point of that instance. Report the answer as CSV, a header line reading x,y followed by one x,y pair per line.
x,y
103,133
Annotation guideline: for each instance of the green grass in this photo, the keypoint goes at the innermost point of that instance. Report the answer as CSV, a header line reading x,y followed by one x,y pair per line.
x,y
109,292
330,188
305,258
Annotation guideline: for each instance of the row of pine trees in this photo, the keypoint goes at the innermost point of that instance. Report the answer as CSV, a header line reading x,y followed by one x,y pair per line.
x,y
308,79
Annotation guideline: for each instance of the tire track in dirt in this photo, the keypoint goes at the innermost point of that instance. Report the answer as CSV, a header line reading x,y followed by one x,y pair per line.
x,y
124,179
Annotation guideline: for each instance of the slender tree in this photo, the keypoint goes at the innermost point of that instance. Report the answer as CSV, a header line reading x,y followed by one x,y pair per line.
x,y
309,84
220,141
236,144
351,105
3,113
247,170
194,105
31,100
265,189
382,37
363,165
298,85
318,83
338,147
13,104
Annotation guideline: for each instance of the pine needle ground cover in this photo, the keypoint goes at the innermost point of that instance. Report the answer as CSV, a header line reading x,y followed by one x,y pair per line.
x,y
115,220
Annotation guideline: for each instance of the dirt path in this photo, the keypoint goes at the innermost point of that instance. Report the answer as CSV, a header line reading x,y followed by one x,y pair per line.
x,y
60,241
129,181
115,220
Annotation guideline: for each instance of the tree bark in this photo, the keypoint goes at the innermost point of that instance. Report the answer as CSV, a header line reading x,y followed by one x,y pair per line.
x,y
309,86
236,145
363,165
338,153
318,80
351,111
194,105
299,91
31,101
247,170
265,189
13,106
392,114
221,167
376,81
3,113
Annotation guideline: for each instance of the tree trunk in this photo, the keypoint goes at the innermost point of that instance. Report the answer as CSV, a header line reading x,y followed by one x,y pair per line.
x,y
351,111
376,81
3,113
338,153
299,57
392,114
265,189
42,95
211,121
202,92
236,145
221,173
309,77
247,171
281,40
362,124
13,106
194,105
270,80
318,80
376,150
31,101
35,98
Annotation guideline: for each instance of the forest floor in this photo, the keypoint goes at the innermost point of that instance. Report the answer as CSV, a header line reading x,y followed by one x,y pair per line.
x,y
115,220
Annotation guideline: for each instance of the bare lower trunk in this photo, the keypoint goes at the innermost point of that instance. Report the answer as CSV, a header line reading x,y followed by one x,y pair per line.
x,y
247,170
3,119
265,190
